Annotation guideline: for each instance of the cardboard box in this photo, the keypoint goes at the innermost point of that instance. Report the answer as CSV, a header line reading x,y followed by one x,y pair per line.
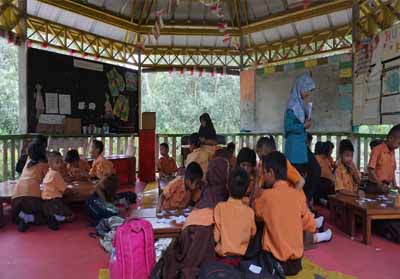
x,y
148,121
72,126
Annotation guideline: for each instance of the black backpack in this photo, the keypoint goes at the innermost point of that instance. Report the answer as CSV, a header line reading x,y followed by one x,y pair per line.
x,y
263,266
216,270
97,209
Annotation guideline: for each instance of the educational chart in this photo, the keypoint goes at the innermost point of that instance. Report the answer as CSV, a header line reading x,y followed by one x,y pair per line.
x,y
67,94
332,99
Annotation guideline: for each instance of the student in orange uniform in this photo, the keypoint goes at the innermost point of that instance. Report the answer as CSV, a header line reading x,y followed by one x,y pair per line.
x,y
103,169
283,230
182,191
347,176
232,234
197,153
166,165
26,201
327,181
382,164
247,160
231,154
265,146
54,187
77,169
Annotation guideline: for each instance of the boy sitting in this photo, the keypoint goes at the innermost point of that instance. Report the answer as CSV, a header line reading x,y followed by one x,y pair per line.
x,y
197,153
327,180
54,187
382,164
182,192
102,169
233,234
285,214
166,165
77,169
347,176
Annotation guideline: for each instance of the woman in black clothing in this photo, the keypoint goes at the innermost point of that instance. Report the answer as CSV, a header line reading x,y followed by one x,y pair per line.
x,y
207,133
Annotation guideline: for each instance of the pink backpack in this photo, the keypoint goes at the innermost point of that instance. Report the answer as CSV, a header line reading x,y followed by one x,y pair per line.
x,y
133,255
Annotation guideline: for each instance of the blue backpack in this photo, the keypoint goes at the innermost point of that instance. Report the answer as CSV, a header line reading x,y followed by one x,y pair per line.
x,y
97,209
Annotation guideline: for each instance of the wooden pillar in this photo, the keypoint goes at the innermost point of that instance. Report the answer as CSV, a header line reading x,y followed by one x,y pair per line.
x,y
22,74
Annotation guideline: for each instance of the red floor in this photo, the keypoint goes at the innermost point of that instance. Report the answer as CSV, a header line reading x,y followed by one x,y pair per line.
x,y
70,253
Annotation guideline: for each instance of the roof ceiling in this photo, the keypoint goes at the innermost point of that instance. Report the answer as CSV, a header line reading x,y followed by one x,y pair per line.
x,y
191,24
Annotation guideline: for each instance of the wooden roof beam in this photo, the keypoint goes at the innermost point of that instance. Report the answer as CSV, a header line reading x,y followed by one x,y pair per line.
x,y
294,15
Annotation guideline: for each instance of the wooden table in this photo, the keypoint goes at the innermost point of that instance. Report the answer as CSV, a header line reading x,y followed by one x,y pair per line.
x,y
6,192
83,191
368,211
161,230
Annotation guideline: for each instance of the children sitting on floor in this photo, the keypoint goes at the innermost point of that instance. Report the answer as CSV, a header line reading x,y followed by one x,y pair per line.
x,y
26,201
182,192
382,164
54,187
247,160
103,170
285,214
231,154
197,153
232,234
265,146
327,182
347,176
166,165
77,168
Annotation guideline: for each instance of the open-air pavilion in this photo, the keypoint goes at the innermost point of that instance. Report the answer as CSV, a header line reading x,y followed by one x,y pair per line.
x,y
351,47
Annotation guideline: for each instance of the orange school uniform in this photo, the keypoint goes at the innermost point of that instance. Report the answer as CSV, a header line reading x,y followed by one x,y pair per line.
x,y
53,185
167,166
101,168
176,196
76,172
200,217
232,162
234,227
285,214
383,161
326,164
344,179
28,184
200,156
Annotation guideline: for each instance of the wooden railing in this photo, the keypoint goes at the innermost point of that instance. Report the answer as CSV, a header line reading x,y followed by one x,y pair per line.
x,y
10,146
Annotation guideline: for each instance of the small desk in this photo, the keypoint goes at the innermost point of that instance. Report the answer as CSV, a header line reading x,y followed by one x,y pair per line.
x,y
161,230
6,192
350,209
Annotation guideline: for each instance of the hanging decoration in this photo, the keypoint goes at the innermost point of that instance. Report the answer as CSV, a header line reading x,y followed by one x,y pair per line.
x,y
236,43
306,4
159,24
209,2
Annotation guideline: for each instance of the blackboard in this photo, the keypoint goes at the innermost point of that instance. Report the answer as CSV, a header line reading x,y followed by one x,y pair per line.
x,y
87,82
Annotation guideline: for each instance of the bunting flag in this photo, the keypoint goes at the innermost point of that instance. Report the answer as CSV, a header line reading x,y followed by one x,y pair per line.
x,y
191,71
306,4
97,57
212,72
216,10
222,26
45,45
236,43
72,52
227,38
28,43
200,72
182,71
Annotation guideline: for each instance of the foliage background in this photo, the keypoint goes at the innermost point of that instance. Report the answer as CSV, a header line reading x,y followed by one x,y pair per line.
x,y
179,100
8,88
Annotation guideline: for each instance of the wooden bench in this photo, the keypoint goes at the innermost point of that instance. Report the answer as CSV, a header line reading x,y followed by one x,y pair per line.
x,y
345,209
171,229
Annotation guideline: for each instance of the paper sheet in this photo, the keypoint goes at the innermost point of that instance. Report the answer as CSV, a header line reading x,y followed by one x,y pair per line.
x,y
374,89
81,105
346,73
391,104
309,110
51,103
51,119
64,102
371,109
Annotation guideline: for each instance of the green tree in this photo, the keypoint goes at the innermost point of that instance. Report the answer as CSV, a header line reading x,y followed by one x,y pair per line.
x,y
8,88
179,100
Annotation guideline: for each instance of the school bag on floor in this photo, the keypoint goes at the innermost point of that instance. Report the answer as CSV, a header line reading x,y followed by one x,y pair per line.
x,y
217,270
133,254
97,209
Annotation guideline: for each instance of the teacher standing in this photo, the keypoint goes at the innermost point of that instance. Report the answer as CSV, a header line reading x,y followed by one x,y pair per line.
x,y
296,122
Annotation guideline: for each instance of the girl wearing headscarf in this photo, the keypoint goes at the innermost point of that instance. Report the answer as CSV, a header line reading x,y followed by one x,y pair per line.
x,y
297,122
216,186
207,132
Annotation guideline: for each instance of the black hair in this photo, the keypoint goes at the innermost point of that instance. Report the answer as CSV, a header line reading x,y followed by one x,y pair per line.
x,y
36,153
194,139
40,139
72,156
99,145
269,142
375,143
238,183
246,155
276,161
193,172
165,145
54,154
345,145
327,148
231,147
309,137
318,148
395,131
206,118
222,153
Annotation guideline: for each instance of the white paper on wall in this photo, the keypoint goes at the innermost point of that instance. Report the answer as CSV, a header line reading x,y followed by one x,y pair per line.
x,y
64,102
51,103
